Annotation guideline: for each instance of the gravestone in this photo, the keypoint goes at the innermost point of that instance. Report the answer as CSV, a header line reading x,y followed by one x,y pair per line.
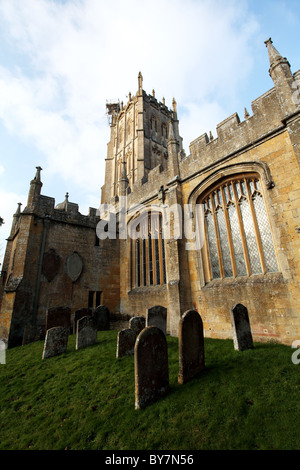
x,y
150,366
101,314
137,324
125,342
86,332
242,336
157,316
3,347
56,341
80,313
58,316
191,346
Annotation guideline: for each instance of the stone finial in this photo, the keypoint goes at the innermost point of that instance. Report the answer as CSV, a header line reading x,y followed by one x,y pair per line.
x,y
164,101
274,55
153,93
211,137
247,115
268,41
174,105
38,174
18,211
140,82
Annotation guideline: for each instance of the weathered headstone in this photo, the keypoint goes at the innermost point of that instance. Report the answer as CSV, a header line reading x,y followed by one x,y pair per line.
x,y
101,314
157,316
125,342
80,313
242,336
137,324
86,332
150,366
33,333
191,346
58,316
56,341
3,347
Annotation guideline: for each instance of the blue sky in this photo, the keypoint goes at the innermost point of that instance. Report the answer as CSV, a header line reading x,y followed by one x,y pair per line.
x,y
61,60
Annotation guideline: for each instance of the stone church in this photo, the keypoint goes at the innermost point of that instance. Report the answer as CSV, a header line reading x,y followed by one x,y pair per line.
x,y
239,191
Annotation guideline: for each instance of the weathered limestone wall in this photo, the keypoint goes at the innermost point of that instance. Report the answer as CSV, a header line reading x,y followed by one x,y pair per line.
x,y
272,299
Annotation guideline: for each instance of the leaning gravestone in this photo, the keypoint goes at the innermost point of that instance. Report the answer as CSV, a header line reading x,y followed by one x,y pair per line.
x,y
101,314
242,336
56,341
150,366
191,346
80,313
58,316
137,324
125,343
86,332
157,316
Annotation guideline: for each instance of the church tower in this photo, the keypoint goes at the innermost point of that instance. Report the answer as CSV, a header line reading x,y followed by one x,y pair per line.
x,y
138,141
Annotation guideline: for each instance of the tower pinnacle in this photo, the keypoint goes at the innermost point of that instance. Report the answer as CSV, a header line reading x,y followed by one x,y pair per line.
x,y
280,72
140,83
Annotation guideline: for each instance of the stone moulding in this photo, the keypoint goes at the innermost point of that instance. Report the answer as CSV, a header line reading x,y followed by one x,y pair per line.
x,y
245,167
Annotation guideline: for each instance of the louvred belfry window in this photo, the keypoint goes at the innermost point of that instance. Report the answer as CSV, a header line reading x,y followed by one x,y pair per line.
x,y
148,252
237,231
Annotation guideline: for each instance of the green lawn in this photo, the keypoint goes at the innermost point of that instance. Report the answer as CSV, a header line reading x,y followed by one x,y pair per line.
x,y
85,400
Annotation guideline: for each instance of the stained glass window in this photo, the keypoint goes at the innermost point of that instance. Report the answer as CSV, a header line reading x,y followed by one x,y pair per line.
x,y
238,235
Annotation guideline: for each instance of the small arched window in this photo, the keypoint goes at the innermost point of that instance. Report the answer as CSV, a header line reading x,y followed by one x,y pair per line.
x,y
237,231
148,252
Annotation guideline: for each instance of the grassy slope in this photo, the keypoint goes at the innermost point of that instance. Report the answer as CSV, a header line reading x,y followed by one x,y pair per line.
x,y
85,400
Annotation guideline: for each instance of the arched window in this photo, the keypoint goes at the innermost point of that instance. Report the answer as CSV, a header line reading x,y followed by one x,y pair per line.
x,y
148,252
237,230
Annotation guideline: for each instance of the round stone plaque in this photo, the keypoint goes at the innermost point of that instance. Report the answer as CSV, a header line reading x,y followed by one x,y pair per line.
x,y
74,266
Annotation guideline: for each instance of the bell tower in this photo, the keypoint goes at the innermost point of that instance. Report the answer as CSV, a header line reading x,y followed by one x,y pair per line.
x,y
138,141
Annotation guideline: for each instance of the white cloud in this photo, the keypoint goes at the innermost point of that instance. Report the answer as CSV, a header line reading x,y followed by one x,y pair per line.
x,y
78,54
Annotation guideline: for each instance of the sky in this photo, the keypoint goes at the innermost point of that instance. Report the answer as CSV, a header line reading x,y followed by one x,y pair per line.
x,y
61,61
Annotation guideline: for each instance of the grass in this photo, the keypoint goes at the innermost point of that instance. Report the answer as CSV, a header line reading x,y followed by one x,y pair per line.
x,y
85,400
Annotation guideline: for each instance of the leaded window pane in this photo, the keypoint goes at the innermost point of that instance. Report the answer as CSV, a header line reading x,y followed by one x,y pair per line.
x,y
164,261
150,261
212,243
157,261
224,243
248,231
237,241
138,262
250,237
265,233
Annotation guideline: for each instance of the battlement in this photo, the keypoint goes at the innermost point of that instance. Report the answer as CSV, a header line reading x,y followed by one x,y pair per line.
x,y
234,134
67,212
